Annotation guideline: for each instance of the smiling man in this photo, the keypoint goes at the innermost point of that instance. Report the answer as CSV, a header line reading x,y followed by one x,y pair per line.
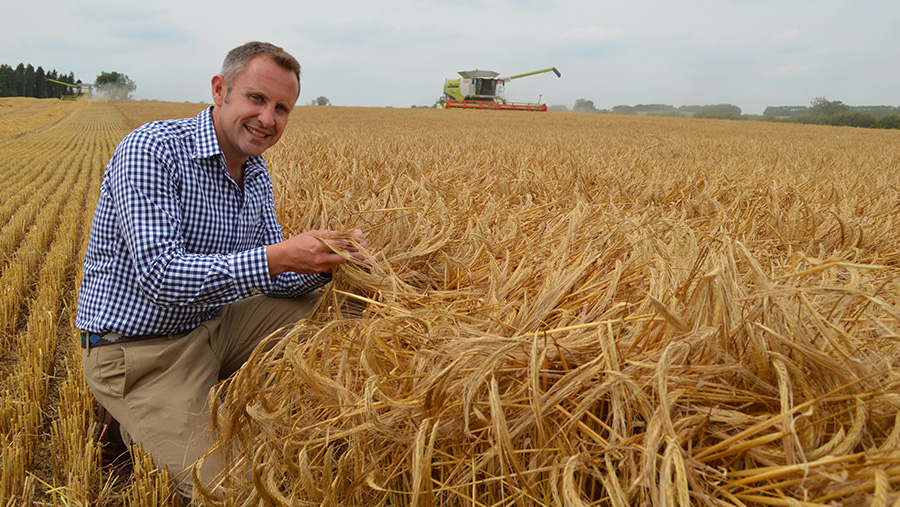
x,y
186,269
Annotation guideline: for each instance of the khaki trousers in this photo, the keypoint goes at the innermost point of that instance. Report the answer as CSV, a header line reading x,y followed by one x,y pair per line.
x,y
158,389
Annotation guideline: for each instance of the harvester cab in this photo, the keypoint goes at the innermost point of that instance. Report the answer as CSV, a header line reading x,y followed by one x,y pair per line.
x,y
481,89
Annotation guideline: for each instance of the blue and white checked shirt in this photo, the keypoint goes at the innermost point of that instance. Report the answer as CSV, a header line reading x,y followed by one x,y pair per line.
x,y
174,238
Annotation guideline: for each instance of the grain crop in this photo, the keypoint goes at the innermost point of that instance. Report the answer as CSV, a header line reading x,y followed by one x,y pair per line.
x,y
558,309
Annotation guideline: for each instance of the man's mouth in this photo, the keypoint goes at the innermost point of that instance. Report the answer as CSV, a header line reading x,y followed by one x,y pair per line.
x,y
255,132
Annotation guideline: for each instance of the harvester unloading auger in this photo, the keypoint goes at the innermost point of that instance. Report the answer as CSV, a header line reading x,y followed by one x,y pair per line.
x,y
480,89
80,89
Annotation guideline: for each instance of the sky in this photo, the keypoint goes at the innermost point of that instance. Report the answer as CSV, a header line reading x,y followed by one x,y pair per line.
x,y
749,53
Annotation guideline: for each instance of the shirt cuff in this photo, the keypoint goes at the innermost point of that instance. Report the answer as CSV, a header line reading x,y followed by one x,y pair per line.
x,y
251,272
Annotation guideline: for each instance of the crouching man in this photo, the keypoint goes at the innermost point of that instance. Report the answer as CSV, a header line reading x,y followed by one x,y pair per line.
x,y
186,269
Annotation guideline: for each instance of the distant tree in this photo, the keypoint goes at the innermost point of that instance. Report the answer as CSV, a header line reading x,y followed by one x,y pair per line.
x,y
647,108
623,110
114,85
584,106
785,110
18,81
320,101
670,114
877,111
853,119
888,121
40,83
690,109
52,89
719,111
824,107
835,112
6,77
28,81
559,108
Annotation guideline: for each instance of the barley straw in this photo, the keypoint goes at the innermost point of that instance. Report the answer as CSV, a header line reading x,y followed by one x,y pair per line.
x,y
557,331
41,243
594,310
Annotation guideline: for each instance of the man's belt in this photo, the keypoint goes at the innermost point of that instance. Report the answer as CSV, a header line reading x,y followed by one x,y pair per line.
x,y
89,340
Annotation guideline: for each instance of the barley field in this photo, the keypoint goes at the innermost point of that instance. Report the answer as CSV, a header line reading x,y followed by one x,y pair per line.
x,y
559,309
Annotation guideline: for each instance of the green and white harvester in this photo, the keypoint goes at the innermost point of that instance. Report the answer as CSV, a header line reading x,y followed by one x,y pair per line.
x,y
80,89
481,89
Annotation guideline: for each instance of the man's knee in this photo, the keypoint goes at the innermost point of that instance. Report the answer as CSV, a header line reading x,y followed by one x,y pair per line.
x,y
241,326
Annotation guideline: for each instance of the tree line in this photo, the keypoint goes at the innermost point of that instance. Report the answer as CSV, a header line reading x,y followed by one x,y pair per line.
x,y
722,111
821,111
26,81
834,112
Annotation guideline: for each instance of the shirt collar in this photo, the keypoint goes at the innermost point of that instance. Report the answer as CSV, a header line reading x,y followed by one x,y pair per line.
x,y
206,143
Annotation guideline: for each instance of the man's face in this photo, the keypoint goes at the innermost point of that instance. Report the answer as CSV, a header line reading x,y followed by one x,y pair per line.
x,y
252,115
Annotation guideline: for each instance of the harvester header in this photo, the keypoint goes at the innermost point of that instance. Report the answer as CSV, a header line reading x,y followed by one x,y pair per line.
x,y
480,89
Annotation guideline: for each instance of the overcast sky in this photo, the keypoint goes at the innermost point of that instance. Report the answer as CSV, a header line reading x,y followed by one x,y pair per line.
x,y
750,53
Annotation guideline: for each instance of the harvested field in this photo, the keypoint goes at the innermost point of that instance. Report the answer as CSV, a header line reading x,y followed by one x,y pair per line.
x,y
561,309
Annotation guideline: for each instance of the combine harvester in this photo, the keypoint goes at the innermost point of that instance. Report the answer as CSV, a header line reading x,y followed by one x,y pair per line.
x,y
80,89
480,89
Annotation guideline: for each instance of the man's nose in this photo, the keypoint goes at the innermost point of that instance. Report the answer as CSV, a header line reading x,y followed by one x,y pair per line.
x,y
267,116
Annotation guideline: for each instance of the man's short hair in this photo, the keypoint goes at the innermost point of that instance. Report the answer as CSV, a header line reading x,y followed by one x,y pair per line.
x,y
237,59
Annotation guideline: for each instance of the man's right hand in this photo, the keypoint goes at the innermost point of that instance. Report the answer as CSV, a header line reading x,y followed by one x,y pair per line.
x,y
308,253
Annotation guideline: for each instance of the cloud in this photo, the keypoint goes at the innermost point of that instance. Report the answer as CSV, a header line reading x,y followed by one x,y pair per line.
x,y
720,43
791,71
593,34
788,37
129,27
334,58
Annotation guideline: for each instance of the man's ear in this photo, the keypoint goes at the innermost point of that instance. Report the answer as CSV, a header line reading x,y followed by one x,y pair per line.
x,y
219,90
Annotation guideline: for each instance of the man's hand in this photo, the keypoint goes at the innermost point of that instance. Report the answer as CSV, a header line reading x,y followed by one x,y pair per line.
x,y
315,251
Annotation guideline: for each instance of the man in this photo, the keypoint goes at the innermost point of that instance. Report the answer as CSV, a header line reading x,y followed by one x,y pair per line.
x,y
186,270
